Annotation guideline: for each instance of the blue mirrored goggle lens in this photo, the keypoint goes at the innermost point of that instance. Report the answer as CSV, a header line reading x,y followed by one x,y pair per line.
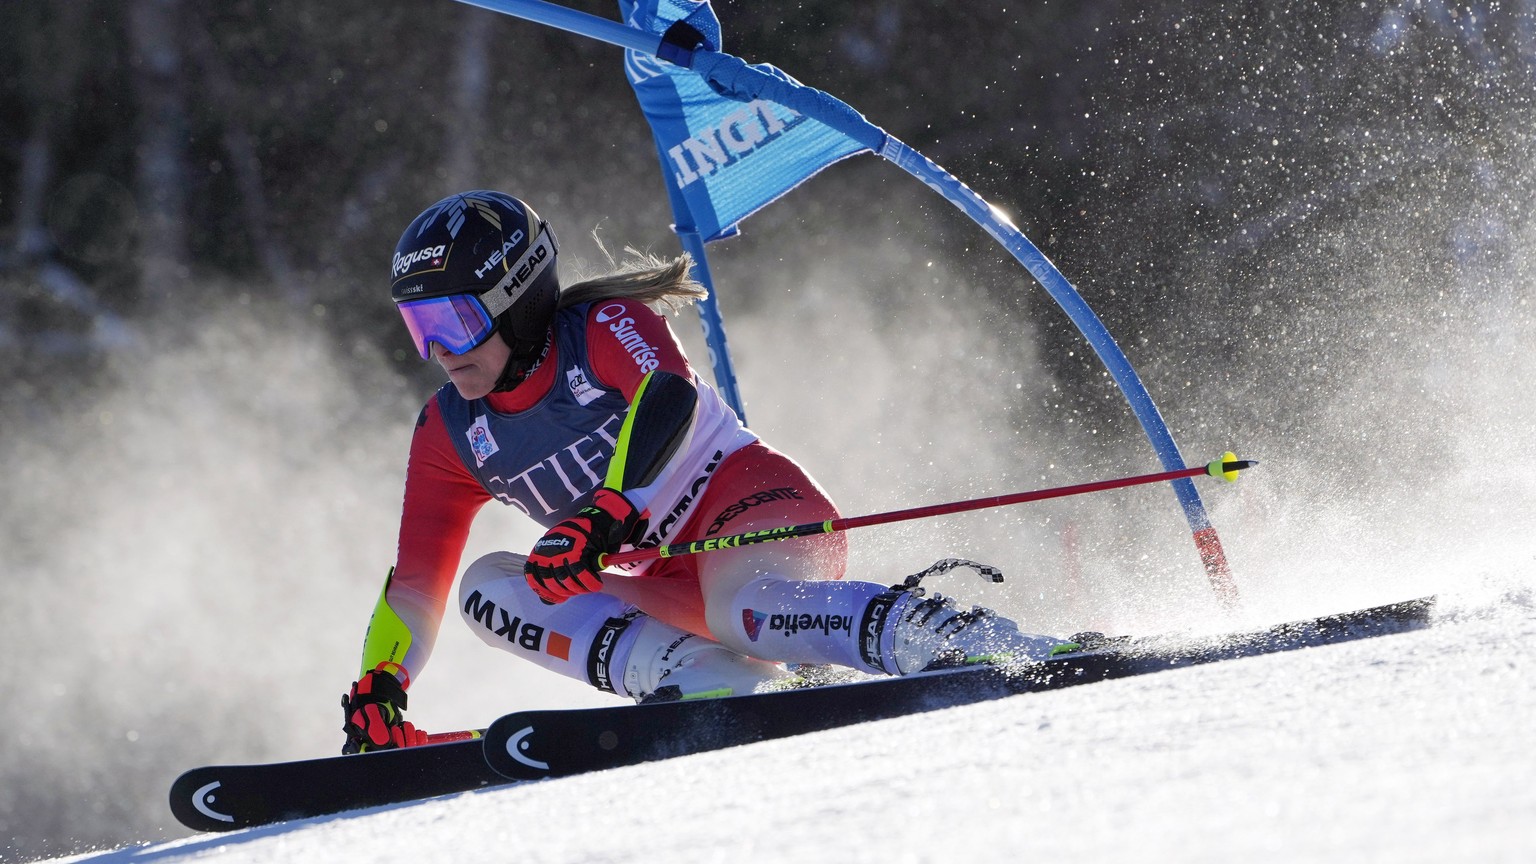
x,y
457,322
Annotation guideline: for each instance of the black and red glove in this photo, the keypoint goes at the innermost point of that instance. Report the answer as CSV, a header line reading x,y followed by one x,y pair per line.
x,y
373,715
564,563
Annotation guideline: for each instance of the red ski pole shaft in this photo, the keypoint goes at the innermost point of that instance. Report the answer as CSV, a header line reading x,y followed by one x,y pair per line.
x,y
1226,467
446,737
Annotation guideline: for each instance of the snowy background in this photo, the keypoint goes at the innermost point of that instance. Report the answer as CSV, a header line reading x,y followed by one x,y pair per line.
x,y
1408,748
1308,227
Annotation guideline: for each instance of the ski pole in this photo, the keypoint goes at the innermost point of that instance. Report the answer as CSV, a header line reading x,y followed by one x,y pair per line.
x,y
1225,467
446,737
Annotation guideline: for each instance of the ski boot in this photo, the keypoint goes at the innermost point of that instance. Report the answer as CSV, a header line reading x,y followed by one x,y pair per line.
x,y
923,633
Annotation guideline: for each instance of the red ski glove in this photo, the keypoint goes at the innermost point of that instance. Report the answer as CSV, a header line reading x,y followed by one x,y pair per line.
x,y
373,715
564,563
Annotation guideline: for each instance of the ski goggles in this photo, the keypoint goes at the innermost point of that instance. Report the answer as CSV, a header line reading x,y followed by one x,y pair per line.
x,y
458,322
462,322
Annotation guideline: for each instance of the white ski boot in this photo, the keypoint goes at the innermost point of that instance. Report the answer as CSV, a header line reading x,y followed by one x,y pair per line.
x,y
922,633
928,633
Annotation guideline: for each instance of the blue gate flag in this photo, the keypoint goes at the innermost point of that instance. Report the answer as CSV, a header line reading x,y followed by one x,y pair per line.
x,y
716,120
724,158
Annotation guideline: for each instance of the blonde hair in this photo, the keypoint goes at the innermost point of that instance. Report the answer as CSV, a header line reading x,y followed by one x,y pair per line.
x,y
643,277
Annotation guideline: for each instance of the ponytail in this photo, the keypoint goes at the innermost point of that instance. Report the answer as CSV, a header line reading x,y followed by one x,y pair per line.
x,y
643,277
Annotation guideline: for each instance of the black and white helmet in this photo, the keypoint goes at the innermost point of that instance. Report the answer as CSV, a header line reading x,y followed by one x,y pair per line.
x,y
474,264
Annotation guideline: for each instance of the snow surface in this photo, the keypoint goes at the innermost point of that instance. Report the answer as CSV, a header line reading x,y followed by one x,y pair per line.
x,y
1413,747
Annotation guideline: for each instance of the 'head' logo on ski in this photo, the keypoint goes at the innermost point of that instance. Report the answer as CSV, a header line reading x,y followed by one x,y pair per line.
x,y
203,798
518,743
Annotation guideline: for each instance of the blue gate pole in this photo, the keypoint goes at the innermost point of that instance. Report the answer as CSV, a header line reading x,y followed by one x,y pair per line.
x,y
713,324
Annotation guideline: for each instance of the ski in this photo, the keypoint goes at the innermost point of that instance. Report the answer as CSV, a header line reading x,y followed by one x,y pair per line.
x,y
530,745
539,744
230,797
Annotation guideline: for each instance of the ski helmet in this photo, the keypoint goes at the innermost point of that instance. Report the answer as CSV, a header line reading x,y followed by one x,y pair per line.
x,y
474,264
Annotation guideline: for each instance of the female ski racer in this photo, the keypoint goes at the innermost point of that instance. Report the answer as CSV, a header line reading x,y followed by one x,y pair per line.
x,y
579,408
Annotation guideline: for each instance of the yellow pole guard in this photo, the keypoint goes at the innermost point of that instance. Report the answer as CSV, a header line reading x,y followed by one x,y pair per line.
x,y
1214,468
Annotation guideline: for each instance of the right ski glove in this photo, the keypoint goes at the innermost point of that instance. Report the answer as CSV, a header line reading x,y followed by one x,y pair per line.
x,y
373,715
564,563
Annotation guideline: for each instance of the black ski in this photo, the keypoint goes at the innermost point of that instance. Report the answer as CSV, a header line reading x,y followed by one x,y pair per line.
x,y
536,744
228,797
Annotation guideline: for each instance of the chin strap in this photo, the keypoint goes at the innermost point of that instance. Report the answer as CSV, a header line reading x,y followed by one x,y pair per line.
x,y
523,363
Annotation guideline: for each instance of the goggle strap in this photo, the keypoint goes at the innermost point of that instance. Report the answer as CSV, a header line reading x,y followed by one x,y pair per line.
x,y
503,294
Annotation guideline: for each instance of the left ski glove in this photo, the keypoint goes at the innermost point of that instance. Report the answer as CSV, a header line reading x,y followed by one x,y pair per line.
x,y
564,563
373,715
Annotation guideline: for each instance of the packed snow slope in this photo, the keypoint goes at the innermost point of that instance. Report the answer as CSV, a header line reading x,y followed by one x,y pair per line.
x,y
1413,747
